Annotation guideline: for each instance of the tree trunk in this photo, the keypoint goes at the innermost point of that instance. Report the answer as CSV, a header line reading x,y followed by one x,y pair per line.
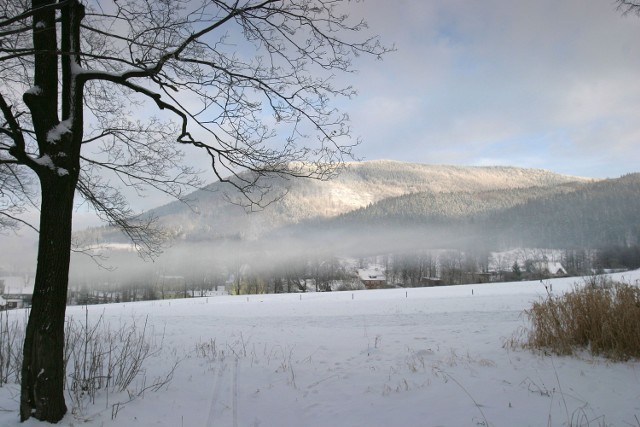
x,y
43,373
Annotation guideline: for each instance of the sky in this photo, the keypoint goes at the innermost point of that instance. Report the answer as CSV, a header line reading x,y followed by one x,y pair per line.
x,y
549,84
544,84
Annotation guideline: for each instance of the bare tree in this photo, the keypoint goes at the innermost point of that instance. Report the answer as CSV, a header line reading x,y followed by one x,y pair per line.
x,y
248,82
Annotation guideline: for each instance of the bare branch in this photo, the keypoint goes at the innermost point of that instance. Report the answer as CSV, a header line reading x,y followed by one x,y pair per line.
x,y
9,221
629,7
14,131
227,85
6,21
112,208
250,83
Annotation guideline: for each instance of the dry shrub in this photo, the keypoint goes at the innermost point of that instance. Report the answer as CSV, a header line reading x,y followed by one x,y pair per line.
x,y
11,339
602,319
99,359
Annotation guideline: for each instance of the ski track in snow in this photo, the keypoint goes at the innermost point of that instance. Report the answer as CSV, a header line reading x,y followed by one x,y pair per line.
x,y
224,396
215,396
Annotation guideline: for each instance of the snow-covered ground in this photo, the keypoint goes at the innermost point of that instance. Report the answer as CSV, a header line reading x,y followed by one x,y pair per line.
x,y
401,357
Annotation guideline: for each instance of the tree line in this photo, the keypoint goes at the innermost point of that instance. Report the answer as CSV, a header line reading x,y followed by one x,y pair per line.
x,y
324,273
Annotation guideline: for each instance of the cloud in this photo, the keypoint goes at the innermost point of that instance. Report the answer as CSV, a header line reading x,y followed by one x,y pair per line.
x,y
514,78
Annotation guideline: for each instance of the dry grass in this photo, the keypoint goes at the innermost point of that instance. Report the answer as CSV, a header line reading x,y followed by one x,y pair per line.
x,y
11,339
99,359
602,318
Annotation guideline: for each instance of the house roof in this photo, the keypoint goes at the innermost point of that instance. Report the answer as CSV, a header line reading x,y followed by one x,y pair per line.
x,y
373,273
552,267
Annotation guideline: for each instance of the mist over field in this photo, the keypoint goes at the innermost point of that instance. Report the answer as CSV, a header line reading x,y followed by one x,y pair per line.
x,y
413,220
381,213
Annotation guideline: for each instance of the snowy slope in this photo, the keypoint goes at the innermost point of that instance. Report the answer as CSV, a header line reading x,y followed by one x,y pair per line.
x,y
416,357
211,216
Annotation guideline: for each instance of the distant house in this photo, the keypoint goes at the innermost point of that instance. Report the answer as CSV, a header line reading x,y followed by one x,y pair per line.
x,y
372,278
431,281
17,291
483,277
550,269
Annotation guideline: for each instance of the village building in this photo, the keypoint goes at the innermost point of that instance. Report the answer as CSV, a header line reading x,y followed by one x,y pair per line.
x,y
16,291
431,281
372,278
550,269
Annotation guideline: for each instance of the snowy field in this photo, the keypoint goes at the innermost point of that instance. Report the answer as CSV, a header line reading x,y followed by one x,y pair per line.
x,y
414,357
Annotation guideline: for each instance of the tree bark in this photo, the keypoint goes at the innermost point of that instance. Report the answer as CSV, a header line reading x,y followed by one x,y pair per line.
x,y
43,372
57,167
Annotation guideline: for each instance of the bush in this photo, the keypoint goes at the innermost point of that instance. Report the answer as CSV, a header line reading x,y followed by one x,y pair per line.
x,y
98,359
602,318
11,339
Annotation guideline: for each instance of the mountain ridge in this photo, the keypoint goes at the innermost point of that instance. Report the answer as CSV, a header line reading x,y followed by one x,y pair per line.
x,y
359,185
570,215
399,209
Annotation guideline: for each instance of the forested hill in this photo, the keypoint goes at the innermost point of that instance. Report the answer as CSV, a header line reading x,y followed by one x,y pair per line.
x,y
212,217
418,208
364,191
596,214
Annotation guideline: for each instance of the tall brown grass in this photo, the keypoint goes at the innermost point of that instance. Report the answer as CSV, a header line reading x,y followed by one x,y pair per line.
x,y
602,318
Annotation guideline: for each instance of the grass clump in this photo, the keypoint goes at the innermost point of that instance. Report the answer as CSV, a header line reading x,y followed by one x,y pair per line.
x,y
601,317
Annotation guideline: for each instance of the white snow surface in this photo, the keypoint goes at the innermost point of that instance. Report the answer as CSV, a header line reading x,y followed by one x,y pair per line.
x,y
57,131
34,90
399,357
